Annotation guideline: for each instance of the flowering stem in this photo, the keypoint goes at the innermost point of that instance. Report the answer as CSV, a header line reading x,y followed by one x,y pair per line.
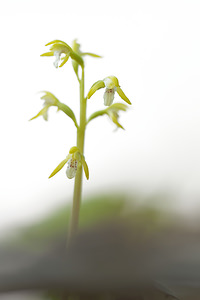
x,y
78,179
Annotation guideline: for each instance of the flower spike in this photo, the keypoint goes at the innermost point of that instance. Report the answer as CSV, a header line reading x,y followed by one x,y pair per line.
x,y
112,85
74,160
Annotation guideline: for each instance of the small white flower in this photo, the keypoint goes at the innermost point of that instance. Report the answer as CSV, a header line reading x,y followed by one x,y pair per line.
x,y
72,166
74,160
111,84
57,49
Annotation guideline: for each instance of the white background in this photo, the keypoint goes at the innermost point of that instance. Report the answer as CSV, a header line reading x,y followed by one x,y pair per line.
x,y
153,47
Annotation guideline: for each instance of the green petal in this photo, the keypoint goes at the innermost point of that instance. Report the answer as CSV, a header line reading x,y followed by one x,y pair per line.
x,y
73,150
48,54
60,166
59,42
123,96
53,42
85,167
91,54
117,106
96,86
65,59
42,112
76,46
115,121
114,82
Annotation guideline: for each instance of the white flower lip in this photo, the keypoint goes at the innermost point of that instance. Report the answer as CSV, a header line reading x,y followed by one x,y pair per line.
x,y
108,96
57,55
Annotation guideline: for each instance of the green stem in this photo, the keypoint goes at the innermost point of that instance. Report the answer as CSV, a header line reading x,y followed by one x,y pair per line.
x,y
78,179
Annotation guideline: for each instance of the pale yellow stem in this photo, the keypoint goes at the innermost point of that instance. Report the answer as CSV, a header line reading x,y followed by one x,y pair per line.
x,y
78,179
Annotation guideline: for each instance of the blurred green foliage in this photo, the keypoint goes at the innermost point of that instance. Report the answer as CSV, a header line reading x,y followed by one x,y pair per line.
x,y
92,211
96,209
100,208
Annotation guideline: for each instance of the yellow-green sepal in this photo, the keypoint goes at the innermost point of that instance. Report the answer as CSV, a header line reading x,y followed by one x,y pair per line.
x,y
91,54
114,119
122,95
59,42
73,150
111,82
64,60
96,86
68,111
60,166
85,167
42,112
51,53
117,107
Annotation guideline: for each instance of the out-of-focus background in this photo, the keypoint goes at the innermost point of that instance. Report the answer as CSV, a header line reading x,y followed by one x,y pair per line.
x,y
153,48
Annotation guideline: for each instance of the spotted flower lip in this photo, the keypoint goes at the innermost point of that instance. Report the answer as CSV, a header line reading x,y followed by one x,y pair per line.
x,y
74,160
111,84
72,166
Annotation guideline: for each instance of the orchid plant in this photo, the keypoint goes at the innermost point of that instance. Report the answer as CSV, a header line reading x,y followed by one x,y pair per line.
x,y
75,159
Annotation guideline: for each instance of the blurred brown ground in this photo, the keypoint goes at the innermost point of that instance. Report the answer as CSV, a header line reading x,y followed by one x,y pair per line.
x,y
119,258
